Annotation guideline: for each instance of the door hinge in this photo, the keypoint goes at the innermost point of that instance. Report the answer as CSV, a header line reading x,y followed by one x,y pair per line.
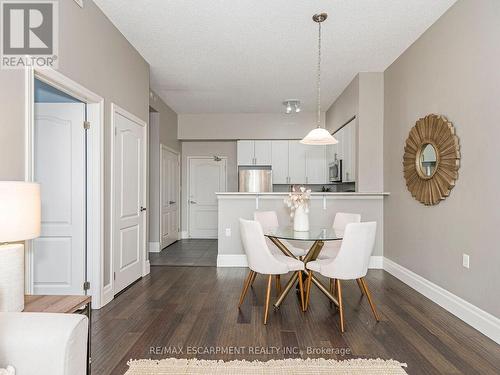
x,y
114,275
86,125
86,285
115,130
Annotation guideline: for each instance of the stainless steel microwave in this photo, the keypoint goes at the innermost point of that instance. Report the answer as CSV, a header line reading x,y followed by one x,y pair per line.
x,y
335,171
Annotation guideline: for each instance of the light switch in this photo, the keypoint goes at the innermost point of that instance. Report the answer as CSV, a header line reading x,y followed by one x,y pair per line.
x,y
465,260
228,232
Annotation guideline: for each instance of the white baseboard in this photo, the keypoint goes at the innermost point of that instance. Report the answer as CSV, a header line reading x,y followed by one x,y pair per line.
x,y
184,234
154,247
107,294
240,260
376,262
232,260
146,268
484,322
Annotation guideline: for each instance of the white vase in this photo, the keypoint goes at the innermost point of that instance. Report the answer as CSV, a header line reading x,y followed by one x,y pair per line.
x,y
300,220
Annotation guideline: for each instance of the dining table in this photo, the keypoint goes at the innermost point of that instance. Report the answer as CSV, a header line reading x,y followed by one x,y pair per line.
x,y
317,236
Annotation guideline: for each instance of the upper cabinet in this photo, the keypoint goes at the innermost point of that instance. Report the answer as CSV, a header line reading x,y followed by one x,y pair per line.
x,y
345,150
295,163
246,152
263,152
316,166
254,152
280,162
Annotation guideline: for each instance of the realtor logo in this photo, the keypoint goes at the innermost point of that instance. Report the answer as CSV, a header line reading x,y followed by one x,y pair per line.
x,y
29,34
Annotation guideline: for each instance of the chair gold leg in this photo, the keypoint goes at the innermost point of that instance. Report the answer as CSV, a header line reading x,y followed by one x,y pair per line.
x,y
246,285
301,289
341,308
308,290
268,297
253,279
278,285
369,297
360,284
332,289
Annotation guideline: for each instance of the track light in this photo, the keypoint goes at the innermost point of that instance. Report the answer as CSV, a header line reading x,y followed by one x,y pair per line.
x,y
292,105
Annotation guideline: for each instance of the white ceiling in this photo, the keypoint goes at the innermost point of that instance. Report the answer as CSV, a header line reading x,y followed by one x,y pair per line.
x,y
232,56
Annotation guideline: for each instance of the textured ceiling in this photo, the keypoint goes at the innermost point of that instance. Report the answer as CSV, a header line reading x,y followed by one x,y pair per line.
x,y
249,55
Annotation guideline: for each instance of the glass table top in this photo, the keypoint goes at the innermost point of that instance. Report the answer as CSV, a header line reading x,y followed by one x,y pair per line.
x,y
314,234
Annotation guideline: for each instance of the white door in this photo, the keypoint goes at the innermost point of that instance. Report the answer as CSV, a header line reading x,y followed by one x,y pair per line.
x,y
59,167
297,162
316,165
169,196
246,152
129,190
206,177
263,152
280,162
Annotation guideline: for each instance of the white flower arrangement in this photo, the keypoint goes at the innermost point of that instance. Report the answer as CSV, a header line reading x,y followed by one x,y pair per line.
x,y
296,199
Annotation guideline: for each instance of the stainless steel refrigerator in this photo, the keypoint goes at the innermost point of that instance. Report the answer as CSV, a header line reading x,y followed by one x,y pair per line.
x,y
255,179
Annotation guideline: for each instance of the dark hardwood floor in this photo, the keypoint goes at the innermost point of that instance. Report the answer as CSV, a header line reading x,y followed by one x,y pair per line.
x,y
199,253
175,311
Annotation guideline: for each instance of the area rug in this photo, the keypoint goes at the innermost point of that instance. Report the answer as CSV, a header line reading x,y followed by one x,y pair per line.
x,y
275,367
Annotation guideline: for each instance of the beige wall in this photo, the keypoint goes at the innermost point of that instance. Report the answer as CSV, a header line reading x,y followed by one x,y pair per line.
x,y
211,148
453,70
168,122
363,98
95,54
344,107
223,126
370,121
163,130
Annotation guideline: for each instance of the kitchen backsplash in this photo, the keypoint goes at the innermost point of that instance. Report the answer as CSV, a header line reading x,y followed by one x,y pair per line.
x,y
341,187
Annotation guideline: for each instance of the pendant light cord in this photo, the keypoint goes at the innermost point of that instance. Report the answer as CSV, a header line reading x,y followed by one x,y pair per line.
x,y
319,75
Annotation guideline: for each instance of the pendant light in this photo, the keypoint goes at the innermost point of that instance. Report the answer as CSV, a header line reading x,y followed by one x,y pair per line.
x,y
319,136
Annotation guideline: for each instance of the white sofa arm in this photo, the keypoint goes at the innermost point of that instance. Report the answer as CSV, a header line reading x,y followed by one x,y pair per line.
x,y
44,343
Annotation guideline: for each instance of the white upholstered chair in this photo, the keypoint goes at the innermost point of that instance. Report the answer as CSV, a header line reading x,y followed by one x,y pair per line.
x,y
261,260
269,219
331,248
351,263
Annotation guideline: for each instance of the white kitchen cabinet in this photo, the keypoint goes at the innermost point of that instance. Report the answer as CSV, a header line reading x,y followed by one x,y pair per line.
x,y
316,166
254,152
345,150
280,162
349,167
296,162
263,152
245,152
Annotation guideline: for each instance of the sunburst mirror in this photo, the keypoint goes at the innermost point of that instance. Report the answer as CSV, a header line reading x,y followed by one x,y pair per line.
x,y
431,159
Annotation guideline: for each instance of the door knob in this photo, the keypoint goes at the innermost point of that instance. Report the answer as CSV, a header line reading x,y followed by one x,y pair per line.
x,y
171,202
192,202
143,209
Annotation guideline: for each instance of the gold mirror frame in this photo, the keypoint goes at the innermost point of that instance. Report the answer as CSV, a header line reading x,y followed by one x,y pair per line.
x,y
440,133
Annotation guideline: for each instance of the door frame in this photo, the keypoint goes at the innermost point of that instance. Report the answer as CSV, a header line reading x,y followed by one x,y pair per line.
x,y
188,185
109,290
95,167
163,148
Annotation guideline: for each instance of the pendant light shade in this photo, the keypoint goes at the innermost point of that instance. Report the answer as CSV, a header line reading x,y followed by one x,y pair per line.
x,y
319,136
